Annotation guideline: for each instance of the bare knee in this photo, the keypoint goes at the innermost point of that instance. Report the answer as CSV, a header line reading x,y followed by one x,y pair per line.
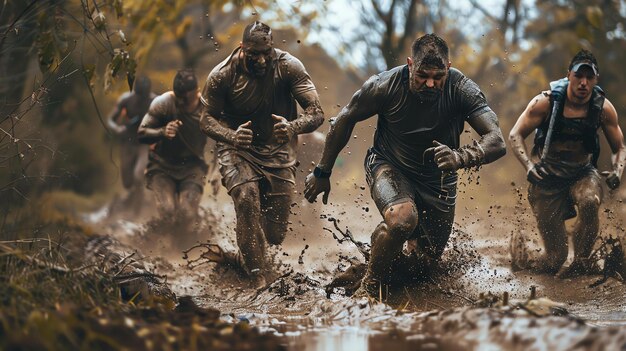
x,y
401,220
588,205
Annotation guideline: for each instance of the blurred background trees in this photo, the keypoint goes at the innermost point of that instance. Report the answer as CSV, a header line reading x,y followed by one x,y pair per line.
x,y
64,62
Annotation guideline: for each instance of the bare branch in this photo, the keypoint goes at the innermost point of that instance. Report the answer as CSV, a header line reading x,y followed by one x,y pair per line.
x,y
12,25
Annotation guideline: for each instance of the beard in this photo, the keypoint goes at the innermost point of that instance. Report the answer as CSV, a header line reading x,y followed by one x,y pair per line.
x,y
429,94
424,94
256,69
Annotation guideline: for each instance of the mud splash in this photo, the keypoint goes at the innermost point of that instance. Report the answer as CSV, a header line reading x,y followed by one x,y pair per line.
x,y
459,305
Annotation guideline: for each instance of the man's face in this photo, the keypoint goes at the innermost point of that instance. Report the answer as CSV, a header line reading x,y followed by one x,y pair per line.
x,y
426,81
187,98
581,83
257,54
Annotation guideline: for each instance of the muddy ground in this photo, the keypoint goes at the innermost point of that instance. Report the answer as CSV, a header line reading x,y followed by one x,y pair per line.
x,y
451,310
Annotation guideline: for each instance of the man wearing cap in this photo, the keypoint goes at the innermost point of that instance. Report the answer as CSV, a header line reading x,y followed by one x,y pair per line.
x,y
176,169
250,110
561,169
123,121
411,170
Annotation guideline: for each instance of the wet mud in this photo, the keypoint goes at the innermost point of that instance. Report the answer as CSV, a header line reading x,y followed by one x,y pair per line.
x,y
472,300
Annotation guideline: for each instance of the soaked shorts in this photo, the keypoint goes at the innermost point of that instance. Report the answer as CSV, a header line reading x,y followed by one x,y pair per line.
x,y
434,198
191,172
555,197
236,170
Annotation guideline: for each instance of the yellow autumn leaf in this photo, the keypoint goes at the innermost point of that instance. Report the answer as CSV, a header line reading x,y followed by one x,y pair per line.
x,y
594,16
183,27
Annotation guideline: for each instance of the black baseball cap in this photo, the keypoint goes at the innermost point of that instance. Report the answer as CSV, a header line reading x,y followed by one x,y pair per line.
x,y
577,66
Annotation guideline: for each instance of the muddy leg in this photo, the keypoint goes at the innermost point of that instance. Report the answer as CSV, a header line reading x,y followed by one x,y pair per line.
x,y
548,206
275,214
250,236
128,156
554,238
164,190
400,221
127,160
137,190
587,194
434,231
188,202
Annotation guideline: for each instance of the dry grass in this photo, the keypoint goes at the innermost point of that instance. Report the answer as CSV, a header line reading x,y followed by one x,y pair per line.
x,y
54,297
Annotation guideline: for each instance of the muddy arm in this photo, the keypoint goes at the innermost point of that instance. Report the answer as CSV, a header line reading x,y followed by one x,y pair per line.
x,y
362,106
615,137
491,145
150,130
213,98
313,116
152,126
528,121
215,130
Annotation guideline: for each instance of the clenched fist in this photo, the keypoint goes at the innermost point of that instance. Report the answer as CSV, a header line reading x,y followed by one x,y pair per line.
x,y
171,129
447,160
283,132
243,136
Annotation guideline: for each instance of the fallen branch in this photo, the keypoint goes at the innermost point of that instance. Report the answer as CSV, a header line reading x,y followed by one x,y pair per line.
x,y
363,248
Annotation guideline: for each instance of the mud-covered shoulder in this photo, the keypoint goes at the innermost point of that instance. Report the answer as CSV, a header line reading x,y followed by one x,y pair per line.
x,y
466,95
382,85
163,105
290,66
219,77
463,84
221,73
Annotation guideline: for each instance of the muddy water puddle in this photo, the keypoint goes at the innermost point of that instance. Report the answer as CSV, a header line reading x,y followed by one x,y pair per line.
x,y
434,315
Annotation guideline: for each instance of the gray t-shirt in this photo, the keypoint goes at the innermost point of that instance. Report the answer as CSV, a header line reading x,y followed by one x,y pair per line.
x,y
188,145
233,98
407,126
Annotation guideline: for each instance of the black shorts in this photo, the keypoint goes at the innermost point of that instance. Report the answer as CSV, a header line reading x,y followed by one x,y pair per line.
x,y
434,198
427,188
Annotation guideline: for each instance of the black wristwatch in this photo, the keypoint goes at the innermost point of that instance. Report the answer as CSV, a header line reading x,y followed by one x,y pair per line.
x,y
319,173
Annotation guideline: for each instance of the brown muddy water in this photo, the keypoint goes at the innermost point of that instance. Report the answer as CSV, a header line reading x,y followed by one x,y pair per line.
x,y
461,310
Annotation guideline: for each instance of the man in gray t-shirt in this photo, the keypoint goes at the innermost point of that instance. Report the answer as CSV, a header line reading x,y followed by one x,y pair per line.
x,y
250,110
176,171
411,169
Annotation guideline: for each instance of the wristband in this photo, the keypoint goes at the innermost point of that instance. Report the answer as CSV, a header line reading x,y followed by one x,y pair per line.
x,y
319,173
